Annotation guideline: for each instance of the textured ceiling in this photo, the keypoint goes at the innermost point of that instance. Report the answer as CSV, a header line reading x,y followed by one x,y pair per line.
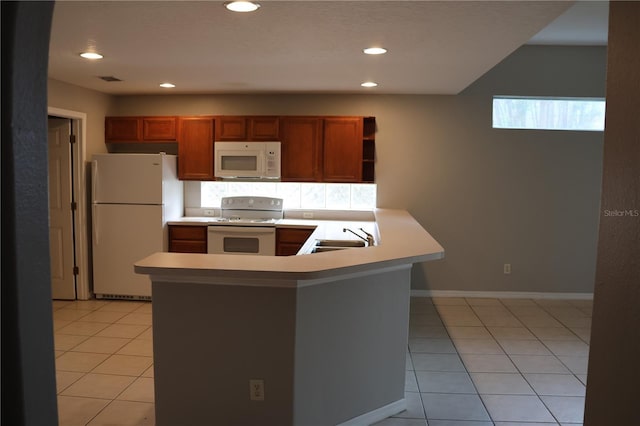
x,y
289,46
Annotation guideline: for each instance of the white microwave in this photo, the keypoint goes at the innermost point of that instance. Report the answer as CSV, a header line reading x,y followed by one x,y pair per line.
x,y
247,160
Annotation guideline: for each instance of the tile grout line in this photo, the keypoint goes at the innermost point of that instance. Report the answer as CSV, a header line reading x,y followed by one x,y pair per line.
x,y
109,355
466,370
519,371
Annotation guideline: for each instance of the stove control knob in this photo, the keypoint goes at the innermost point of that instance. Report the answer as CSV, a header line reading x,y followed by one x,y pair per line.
x,y
251,201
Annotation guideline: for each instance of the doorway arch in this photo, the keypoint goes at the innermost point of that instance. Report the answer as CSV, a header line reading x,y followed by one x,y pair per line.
x,y
28,367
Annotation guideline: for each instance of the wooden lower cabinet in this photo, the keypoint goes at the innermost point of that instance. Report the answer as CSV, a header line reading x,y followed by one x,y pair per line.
x,y
290,240
187,239
196,148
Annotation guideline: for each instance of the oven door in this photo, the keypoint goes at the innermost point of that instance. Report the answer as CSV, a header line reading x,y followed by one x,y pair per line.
x,y
256,240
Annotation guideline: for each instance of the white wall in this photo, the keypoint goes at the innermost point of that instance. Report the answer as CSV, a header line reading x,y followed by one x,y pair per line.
x,y
528,198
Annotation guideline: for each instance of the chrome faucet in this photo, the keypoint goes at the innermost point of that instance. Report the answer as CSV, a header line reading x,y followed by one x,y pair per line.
x,y
369,239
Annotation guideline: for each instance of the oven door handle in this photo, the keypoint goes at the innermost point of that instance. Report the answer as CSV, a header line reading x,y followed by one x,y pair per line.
x,y
222,229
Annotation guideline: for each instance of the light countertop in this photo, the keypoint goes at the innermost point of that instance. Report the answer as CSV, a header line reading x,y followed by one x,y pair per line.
x,y
399,240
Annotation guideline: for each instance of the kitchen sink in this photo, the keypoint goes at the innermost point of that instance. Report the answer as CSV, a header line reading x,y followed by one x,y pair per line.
x,y
320,249
340,243
332,245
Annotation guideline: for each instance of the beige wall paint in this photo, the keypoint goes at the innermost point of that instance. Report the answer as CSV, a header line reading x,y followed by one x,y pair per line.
x,y
95,104
528,198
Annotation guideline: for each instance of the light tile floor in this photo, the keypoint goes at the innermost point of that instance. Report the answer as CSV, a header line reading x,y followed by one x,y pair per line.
x,y
470,362
480,362
104,362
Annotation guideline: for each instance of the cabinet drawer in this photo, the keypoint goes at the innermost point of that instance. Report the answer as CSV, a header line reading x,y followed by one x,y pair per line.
x,y
185,232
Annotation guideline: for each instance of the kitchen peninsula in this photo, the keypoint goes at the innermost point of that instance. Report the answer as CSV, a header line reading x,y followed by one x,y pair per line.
x,y
316,339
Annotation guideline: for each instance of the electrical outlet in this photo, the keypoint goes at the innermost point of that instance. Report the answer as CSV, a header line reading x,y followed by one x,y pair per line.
x,y
209,213
256,390
507,268
307,215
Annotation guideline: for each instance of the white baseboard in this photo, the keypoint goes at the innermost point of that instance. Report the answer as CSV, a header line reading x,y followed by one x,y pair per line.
x,y
377,414
501,294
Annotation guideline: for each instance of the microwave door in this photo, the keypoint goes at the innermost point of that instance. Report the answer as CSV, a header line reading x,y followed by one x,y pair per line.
x,y
239,164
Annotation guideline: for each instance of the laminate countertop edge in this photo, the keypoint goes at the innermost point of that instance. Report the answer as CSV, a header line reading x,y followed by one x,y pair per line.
x,y
400,240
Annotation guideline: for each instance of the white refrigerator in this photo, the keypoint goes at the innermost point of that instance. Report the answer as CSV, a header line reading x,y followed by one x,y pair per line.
x,y
133,198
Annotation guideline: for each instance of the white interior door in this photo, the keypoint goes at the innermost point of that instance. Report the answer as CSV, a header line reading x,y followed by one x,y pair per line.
x,y
63,285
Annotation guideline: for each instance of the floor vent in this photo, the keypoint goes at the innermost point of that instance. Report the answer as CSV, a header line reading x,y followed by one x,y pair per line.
x,y
122,297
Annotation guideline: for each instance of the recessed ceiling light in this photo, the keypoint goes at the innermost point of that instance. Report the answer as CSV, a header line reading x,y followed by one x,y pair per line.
x,y
242,6
369,84
91,55
167,85
375,50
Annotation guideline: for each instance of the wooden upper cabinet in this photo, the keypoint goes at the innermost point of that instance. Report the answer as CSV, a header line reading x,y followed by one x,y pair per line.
x,y
301,149
159,128
122,129
263,128
342,149
314,148
140,129
195,148
247,128
231,128
369,149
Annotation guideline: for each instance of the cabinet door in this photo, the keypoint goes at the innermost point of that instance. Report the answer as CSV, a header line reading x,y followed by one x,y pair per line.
x,y
290,240
159,128
122,129
342,149
301,147
263,129
231,128
195,148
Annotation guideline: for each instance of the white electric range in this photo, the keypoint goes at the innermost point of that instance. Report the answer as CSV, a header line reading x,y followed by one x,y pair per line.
x,y
247,225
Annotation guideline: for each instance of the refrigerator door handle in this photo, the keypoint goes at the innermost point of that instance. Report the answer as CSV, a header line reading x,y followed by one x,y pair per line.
x,y
94,179
94,222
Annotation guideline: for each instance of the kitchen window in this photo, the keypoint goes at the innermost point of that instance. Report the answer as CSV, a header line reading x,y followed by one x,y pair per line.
x,y
540,113
334,196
